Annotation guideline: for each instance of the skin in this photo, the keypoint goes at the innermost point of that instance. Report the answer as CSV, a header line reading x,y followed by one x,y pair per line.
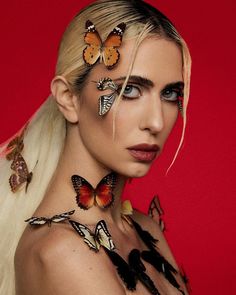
x,y
55,258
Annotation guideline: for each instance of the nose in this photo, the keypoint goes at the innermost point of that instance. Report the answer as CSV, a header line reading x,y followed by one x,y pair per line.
x,y
152,116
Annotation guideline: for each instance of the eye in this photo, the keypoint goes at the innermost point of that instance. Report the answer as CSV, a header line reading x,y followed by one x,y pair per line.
x,y
172,94
131,92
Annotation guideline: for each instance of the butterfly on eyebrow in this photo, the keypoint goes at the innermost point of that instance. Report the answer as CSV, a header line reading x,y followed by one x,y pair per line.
x,y
43,220
87,196
101,236
106,50
21,175
105,101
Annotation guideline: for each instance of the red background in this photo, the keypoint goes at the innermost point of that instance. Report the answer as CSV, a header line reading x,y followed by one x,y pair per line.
x,y
198,194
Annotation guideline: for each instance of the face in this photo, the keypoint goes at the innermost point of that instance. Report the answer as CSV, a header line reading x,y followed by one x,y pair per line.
x,y
145,115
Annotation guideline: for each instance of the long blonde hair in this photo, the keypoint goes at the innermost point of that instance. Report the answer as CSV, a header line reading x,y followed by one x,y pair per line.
x,y
46,131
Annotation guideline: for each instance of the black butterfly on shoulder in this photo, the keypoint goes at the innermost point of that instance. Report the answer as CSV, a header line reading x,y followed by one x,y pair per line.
x,y
132,271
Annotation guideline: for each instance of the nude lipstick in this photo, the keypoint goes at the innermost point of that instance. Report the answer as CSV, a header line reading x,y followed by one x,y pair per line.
x,y
144,152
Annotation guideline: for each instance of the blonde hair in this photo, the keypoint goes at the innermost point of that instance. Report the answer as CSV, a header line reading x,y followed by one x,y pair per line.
x,y
46,131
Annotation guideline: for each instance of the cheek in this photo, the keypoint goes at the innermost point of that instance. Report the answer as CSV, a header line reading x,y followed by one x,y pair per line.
x,y
95,131
170,112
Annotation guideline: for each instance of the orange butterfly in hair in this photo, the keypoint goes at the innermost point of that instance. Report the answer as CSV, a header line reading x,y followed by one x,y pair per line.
x,y
106,50
87,196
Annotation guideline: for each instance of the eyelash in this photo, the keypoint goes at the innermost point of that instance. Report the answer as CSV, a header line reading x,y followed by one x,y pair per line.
x,y
166,92
133,87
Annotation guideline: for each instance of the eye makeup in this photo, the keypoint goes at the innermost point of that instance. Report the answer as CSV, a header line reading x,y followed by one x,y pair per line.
x,y
173,92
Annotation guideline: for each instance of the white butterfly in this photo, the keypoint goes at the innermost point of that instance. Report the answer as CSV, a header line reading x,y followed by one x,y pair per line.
x,y
105,101
56,218
101,236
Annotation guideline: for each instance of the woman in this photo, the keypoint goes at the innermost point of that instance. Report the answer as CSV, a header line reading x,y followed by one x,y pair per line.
x,y
121,74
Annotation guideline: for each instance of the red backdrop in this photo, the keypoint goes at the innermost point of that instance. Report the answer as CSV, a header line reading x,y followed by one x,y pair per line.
x,y
198,194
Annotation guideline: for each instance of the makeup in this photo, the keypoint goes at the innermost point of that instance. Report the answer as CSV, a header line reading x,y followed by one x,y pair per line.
x,y
144,152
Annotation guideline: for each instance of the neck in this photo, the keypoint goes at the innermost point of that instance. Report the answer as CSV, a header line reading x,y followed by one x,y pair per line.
x,y
61,196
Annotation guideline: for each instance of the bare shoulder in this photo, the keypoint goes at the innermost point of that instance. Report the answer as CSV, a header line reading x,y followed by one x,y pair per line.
x,y
154,229
59,262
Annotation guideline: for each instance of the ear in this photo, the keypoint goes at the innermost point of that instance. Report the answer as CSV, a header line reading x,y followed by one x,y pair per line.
x,y
65,98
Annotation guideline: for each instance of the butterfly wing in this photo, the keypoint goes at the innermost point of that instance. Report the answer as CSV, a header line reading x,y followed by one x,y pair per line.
x,y
126,208
146,237
123,269
105,103
155,211
37,220
162,265
103,236
85,232
62,217
104,196
106,83
110,57
110,54
93,51
139,268
21,174
15,146
84,190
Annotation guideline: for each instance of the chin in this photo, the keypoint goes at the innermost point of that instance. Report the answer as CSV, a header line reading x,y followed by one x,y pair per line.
x,y
137,170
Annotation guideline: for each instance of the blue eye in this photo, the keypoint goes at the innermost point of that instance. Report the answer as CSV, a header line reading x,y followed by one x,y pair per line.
x,y
171,95
131,92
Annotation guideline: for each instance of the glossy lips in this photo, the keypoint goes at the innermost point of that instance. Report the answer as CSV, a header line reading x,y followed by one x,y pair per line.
x,y
144,152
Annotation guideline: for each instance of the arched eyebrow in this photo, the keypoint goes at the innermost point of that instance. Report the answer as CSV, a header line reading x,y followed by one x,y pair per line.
x,y
173,85
138,80
145,82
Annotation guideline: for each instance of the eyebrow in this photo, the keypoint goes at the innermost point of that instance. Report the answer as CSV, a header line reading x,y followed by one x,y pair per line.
x,y
137,79
179,84
149,83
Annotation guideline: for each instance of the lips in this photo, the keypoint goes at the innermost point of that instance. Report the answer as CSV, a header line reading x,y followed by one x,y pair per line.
x,y
144,152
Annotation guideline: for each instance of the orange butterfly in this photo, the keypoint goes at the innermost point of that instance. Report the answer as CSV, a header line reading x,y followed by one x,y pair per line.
x,y
87,196
106,50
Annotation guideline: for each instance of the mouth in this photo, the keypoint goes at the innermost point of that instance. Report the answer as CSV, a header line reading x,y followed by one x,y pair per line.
x,y
144,152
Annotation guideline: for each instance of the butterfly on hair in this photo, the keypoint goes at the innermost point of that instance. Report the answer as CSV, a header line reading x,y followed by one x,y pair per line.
x,y
87,196
15,146
101,236
21,175
45,220
107,50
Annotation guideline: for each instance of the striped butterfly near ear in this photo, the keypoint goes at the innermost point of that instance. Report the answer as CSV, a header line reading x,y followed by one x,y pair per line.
x,y
107,50
101,236
45,220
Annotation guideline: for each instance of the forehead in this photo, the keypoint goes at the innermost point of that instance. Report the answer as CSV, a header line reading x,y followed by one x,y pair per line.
x,y
159,60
